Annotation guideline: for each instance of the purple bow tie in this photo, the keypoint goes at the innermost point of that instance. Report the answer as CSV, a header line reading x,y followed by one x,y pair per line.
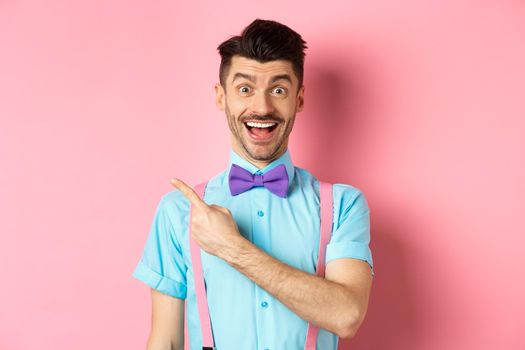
x,y
276,180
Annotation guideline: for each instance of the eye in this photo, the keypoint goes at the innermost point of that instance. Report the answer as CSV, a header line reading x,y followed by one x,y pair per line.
x,y
279,91
244,89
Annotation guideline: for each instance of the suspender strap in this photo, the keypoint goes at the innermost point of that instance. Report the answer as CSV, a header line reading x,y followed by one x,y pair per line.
x,y
326,230
198,277
200,292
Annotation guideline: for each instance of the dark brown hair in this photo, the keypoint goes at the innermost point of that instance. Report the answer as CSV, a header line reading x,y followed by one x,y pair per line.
x,y
264,40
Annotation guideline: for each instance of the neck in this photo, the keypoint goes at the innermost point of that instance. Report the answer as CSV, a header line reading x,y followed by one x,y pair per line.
x,y
260,164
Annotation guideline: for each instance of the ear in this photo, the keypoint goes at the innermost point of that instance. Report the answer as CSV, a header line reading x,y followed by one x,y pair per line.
x,y
300,99
220,96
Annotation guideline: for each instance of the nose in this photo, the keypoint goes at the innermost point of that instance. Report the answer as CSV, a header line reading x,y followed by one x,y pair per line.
x,y
262,104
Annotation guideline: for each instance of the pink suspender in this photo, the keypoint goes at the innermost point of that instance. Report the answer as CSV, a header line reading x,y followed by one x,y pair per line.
x,y
326,229
200,292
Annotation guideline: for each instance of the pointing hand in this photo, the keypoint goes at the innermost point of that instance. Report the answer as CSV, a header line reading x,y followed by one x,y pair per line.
x,y
212,226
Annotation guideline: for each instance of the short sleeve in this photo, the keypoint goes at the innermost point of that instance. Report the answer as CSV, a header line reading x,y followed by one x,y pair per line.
x,y
162,264
351,234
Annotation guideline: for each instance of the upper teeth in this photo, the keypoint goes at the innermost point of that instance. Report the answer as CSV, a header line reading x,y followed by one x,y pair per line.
x,y
260,125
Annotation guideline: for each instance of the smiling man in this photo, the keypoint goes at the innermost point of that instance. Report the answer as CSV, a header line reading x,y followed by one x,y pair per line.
x,y
260,106
263,255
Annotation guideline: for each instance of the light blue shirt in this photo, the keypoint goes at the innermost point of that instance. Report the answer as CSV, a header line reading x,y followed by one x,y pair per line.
x,y
243,315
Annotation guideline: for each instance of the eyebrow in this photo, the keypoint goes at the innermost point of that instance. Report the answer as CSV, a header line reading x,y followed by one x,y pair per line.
x,y
251,78
281,77
243,75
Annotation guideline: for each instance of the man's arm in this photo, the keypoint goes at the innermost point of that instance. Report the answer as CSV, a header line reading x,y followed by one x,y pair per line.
x,y
167,322
337,303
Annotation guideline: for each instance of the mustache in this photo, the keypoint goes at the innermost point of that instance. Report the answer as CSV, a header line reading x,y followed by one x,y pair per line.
x,y
266,117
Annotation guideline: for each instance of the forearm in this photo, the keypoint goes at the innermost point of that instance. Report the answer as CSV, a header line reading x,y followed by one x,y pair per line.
x,y
326,304
163,346
157,341
156,344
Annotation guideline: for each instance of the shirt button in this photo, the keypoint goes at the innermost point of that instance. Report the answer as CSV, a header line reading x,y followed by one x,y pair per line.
x,y
260,213
264,304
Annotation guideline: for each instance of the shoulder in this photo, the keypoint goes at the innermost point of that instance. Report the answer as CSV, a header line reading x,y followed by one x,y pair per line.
x,y
344,195
216,182
175,200
347,193
349,201
342,191
304,178
174,205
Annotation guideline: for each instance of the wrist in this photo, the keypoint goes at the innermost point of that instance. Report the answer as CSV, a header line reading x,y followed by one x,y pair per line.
x,y
233,254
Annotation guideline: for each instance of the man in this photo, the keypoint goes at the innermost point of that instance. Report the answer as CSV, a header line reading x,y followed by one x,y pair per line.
x,y
259,246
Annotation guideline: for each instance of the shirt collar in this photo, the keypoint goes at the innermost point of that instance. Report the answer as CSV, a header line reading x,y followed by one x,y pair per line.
x,y
285,159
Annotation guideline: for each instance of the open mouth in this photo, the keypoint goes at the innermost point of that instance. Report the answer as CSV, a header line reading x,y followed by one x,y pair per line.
x,y
261,131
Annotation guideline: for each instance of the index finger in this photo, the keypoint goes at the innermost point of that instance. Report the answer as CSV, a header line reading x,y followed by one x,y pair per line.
x,y
189,193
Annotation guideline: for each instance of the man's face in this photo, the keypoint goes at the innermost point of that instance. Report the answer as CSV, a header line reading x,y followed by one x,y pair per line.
x,y
265,93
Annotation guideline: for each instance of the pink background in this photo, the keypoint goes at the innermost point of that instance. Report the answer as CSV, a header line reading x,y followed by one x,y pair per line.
x,y
419,104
